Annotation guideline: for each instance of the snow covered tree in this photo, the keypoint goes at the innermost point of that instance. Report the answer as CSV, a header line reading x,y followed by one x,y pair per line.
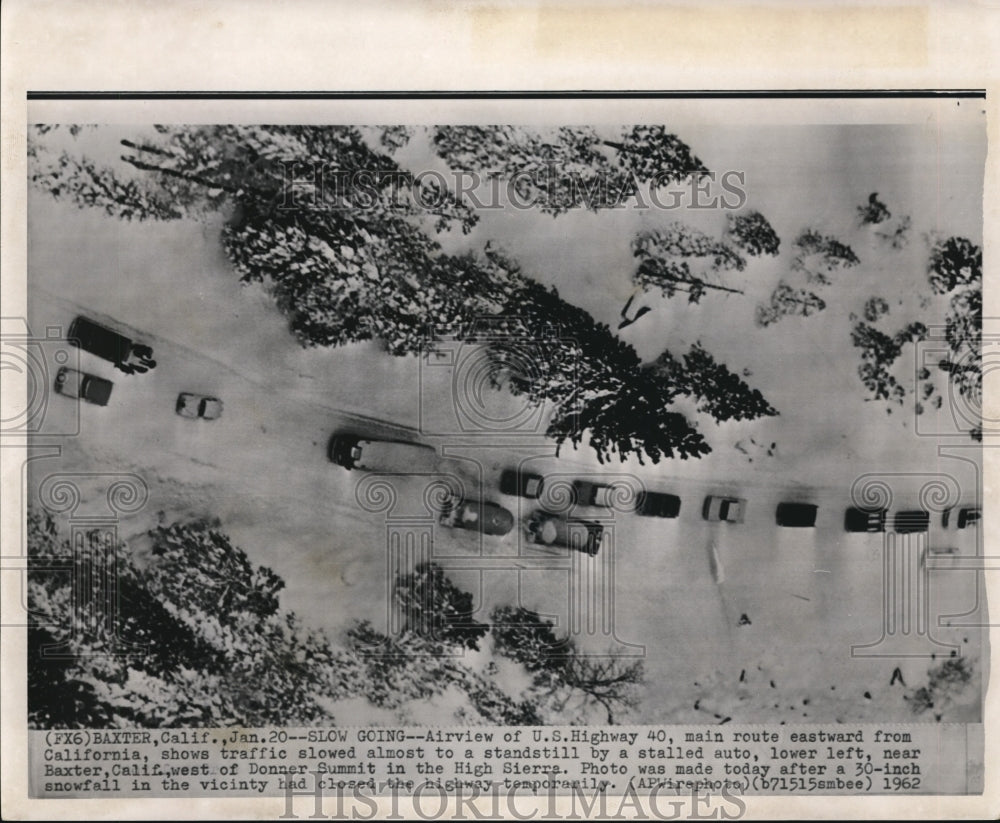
x,y
964,332
875,307
437,609
198,639
955,262
193,171
561,672
393,138
666,256
553,171
565,168
897,237
787,301
656,156
819,256
878,354
753,234
207,644
720,392
592,379
874,211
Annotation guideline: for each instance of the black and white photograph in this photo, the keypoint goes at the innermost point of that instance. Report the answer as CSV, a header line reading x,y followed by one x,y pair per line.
x,y
565,443
509,424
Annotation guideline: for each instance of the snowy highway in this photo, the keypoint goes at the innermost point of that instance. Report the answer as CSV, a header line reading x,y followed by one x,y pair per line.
x,y
734,586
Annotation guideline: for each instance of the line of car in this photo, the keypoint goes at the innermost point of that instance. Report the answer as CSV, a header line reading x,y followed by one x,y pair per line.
x,y
127,355
371,454
552,528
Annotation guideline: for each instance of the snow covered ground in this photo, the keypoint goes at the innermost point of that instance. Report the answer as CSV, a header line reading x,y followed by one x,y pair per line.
x,y
745,621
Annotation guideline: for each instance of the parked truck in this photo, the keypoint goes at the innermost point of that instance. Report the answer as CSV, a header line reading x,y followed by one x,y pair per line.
x,y
110,345
373,455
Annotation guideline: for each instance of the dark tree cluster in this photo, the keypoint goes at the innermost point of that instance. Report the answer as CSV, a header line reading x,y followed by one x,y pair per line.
x,y
874,211
752,233
955,262
720,392
567,168
594,381
561,672
200,639
956,268
679,258
817,257
879,353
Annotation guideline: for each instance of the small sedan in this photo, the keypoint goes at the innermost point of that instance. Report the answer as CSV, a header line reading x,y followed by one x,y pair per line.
x,y
910,522
198,406
475,515
968,517
657,504
78,384
593,494
864,520
728,509
521,484
796,515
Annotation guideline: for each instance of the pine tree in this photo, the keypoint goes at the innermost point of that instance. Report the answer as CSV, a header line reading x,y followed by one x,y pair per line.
x,y
963,331
955,262
436,609
208,643
565,168
753,234
720,392
873,212
666,257
878,354
560,671
787,301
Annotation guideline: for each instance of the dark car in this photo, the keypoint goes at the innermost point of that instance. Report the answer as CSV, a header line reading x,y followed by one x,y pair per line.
x,y
593,494
865,520
521,484
909,522
796,515
475,515
73,383
968,517
657,504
